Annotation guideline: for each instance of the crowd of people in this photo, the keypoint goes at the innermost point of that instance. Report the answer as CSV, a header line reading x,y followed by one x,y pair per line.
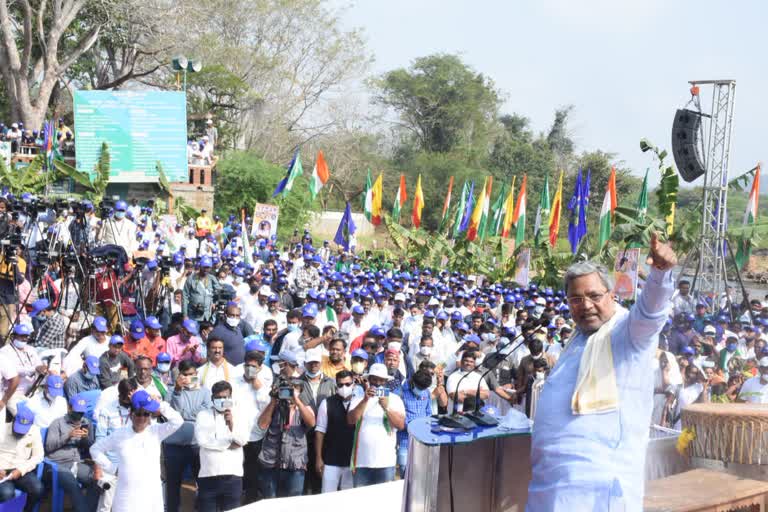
x,y
139,355
19,136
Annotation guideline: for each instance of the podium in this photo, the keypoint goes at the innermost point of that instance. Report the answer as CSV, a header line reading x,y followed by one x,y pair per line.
x,y
485,469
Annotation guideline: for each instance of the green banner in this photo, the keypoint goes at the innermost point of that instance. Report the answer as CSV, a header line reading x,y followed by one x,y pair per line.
x,y
140,127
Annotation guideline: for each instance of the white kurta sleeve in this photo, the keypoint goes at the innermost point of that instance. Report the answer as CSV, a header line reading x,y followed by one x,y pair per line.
x,y
174,421
101,447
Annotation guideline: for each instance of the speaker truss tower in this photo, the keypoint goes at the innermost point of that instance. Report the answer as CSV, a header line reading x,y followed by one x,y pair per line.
x,y
713,253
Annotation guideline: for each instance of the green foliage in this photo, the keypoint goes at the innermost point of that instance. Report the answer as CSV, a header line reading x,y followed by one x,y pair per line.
x,y
244,179
444,104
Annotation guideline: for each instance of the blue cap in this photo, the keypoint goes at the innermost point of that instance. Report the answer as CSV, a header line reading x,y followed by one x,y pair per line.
x,y
116,339
92,362
137,329
22,329
24,420
141,400
358,310
377,331
163,357
152,322
688,351
273,298
288,356
462,326
190,325
55,385
471,338
100,324
206,262
456,316
79,403
38,306
362,354
121,206
442,315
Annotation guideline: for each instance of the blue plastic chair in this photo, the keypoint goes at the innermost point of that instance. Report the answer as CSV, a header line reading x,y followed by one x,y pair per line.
x,y
16,504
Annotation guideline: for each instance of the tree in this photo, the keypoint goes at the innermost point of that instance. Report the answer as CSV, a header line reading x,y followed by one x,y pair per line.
x,y
444,104
558,138
32,56
244,179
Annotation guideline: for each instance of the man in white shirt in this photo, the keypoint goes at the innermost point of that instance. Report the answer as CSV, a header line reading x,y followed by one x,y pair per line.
x,y
50,404
95,344
378,414
354,326
24,359
217,368
468,386
221,434
252,394
755,390
119,230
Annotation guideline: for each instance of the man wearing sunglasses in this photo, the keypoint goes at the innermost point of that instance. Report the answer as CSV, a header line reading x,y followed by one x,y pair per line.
x,y
334,436
136,448
588,447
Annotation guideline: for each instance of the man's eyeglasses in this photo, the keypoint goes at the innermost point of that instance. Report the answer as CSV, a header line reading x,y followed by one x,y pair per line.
x,y
594,298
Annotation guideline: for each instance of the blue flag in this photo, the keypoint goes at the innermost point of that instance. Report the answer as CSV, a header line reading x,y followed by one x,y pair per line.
x,y
346,229
573,218
584,204
294,170
468,211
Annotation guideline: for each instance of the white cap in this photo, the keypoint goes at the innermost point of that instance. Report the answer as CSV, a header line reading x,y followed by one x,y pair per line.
x,y
210,121
433,302
541,301
205,137
314,355
763,361
265,290
380,371
710,330
471,278
400,296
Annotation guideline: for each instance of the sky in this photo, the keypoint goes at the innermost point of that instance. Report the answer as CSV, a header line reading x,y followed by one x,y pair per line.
x,y
624,65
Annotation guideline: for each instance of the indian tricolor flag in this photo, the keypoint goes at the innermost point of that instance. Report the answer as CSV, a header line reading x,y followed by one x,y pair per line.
x,y
606,212
750,217
518,218
400,199
554,213
320,175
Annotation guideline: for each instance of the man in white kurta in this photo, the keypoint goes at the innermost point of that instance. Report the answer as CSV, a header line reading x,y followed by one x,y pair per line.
x,y
137,449
595,461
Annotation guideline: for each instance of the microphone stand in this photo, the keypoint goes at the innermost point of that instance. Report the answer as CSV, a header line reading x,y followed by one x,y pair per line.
x,y
477,416
455,420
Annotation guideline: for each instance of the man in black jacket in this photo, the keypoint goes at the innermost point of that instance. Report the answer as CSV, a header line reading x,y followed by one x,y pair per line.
x,y
334,436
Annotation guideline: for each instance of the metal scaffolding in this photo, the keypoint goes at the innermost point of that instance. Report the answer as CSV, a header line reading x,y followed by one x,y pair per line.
x,y
711,275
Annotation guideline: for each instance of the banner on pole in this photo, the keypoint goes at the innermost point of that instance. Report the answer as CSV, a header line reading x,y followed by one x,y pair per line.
x,y
264,223
626,273
523,266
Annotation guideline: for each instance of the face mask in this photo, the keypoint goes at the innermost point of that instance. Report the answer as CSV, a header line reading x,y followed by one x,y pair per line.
x,y
764,377
76,416
425,351
539,375
358,367
489,337
222,404
20,344
250,372
233,322
163,367
345,391
313,375
119,215
276,368
294,327
731,347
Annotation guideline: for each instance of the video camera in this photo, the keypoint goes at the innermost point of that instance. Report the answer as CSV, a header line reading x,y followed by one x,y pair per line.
x,y
221,298
283,388
107,206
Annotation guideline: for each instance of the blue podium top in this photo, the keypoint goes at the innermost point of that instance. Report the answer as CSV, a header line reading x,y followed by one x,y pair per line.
x,y
427,431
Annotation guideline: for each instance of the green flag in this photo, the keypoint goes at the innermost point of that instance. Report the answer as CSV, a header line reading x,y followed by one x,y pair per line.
x,y
460,210
368,197
497,213
642,201
542,214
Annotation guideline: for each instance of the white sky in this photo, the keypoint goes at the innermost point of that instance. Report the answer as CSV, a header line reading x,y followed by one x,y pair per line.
x,y
623,64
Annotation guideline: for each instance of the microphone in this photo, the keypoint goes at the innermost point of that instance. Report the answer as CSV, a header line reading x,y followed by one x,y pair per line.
x,y
477,416
455,420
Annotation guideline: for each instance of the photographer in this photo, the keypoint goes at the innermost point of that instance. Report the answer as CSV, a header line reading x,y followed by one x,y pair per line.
x,y
12,269
286,419
68,439
198,292
118,230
